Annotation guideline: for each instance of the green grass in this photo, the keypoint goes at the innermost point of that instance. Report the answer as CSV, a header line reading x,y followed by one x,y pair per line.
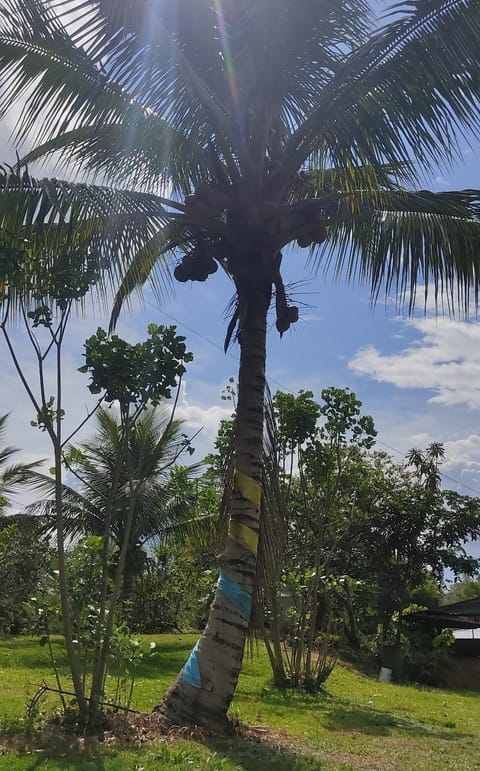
x,y
357,723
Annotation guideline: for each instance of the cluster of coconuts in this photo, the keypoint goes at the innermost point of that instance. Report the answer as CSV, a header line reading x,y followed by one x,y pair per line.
x,y
197,265
207,199
288,315
211,201
316,235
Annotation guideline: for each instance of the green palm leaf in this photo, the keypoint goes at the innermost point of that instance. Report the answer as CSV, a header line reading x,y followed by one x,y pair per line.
x,y
376,107
396,240
162,511
14,475
53,220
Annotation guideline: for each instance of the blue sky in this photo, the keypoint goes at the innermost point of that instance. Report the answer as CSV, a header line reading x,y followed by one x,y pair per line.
x,y
419,378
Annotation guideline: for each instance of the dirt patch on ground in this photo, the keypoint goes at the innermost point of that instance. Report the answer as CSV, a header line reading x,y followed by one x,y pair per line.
x,y
136,729
130,729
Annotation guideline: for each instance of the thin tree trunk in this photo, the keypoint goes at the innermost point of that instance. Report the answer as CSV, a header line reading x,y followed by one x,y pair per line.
x,y
204,689
101,664
313,615
72,657
274,644
56,436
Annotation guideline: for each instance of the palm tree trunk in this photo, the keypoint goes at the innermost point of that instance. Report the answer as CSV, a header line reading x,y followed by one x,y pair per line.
x,y
205,687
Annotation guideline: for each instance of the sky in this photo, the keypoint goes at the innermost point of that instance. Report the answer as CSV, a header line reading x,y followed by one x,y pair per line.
x,y
419,378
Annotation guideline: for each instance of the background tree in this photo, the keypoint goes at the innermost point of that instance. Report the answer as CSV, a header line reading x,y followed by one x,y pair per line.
x,y
14,475
410,531
25,560
165,506
175,589
272,124
467,588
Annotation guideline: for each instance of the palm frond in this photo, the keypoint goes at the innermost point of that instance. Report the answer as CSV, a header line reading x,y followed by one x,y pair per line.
x,y
377,108
71,104
397,240
14,475
81,515
112,63
52,221
162,511
170,67
317,182
143,267
199,530
38,58
142,152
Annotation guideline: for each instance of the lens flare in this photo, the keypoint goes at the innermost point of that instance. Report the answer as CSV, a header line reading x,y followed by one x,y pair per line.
x,y
227,55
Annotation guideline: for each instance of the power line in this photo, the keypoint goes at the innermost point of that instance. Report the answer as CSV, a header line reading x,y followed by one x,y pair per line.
x,y
213,343
291,391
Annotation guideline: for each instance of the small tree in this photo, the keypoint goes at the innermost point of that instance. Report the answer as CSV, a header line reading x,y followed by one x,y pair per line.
x,y
43,291
133,376
306,609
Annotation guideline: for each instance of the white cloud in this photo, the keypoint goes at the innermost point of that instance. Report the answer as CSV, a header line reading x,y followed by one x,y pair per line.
x,y
445,359
464,453
202,418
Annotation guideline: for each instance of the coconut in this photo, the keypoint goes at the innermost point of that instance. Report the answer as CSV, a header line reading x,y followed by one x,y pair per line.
x,y
181,274
291,313
282,324
304,241
319,234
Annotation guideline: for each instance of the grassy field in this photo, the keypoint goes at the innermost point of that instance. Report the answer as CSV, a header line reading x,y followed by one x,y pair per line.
x,y
358,723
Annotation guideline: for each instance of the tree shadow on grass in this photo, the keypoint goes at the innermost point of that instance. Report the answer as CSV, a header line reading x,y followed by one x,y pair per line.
x,y
37,751
336,714
346,717
28,654
79,762
251,755
248,755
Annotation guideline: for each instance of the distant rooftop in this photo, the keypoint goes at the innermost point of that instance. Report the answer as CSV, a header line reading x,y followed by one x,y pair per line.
x,y
457,615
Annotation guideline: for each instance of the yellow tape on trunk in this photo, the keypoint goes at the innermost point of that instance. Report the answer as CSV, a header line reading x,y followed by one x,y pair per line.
x,y
248,487
244,535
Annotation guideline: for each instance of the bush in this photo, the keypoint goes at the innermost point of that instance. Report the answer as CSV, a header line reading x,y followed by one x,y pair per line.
x,y
24,567
174,593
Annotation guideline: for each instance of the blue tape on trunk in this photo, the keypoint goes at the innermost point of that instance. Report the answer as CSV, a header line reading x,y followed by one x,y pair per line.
x,y
239,597
191,670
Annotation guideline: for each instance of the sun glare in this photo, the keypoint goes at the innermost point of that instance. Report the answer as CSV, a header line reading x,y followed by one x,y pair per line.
x,y
227,56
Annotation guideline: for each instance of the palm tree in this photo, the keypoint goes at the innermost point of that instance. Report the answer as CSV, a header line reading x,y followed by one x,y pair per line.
x,y
164,510
270,123
11,476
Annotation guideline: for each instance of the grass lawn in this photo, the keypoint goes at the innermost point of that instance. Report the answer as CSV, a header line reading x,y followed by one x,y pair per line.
x,y
358,723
